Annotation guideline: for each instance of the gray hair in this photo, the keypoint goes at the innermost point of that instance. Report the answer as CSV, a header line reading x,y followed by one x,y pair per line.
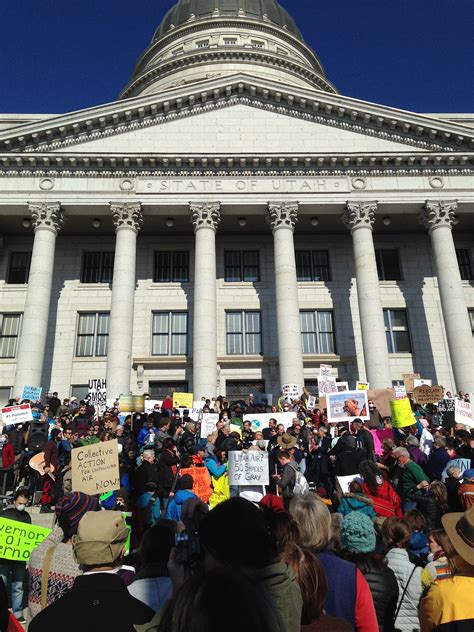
x,y
401,452
146,454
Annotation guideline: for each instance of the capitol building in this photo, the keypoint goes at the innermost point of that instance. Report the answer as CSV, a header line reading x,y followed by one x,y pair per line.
x,y
231,222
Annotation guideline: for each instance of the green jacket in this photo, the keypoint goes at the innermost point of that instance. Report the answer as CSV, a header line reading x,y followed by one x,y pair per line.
x,y
411,477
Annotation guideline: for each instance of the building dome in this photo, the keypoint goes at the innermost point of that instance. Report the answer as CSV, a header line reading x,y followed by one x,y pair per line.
x,y
199,40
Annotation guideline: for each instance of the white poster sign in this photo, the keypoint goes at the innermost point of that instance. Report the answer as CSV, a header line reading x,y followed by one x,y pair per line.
x,y
347,406
463,413
342,386
16,414
196,410
290,392
421,382
311,402
400,392
260,421
97,395
325,369
208,424
248,468
326,385
150,405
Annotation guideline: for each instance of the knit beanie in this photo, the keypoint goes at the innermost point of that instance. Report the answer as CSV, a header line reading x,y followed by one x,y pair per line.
x,y
357,533
71,508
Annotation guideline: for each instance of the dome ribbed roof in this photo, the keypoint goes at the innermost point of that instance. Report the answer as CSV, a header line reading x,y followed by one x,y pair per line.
x,y
265,10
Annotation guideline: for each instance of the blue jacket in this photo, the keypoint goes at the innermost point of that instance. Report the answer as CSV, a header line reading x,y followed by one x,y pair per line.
x,y
356,502
173,512
143,436
418,544
215,470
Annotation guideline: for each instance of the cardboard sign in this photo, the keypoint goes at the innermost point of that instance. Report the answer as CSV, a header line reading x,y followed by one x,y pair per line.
x,y
447,410
427,394
463,413
202,481
18,539
326,385
362,386
248,468
208,424
33,393
400,392
382,398
421,382
290,392
260,421
183,400
408,379
379,435
325,369
16,414
347,406
402,414
97,395
95,468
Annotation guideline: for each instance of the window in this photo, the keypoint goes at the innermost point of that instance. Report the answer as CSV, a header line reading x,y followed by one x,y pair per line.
x,y
202,44
471,316
97,267
159,390
312,265
169,333
178,51
464,263
79,391
243,333
257,44
10,325
5,395
317,332
241,389
92,335
230,41
19,268
396,330
171,267
242,265
388,265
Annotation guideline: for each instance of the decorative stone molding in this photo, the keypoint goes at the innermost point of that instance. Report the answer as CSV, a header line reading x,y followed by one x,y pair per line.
x,y
438,213
205,215
282,215
127,215
359,215
49,216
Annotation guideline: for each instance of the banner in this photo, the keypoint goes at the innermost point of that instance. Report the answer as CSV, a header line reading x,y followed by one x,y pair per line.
x,y
326,384
379,435
408,379
202,481
402,414
97,395
260,421
447,410
347,406
183,400
95,468
427,394
362,386
18,539
33,393
463,413
208,424
16,414
382,398
248,468
290,392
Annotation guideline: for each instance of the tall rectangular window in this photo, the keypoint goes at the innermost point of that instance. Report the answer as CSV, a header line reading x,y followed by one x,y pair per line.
x,y
317,332
388,265
396,330
97,267
171,267
169,333
471,317
312,265
10,326
243,333
92,334
19,267
464,263
242,265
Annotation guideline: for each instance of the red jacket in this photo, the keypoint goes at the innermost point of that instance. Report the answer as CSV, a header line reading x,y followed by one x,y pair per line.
x,y
386,501
8,455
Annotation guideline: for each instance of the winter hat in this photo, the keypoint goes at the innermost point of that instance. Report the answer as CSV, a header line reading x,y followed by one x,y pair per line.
x,y
70,509
468,474
357,533
100,538
273,502
186,482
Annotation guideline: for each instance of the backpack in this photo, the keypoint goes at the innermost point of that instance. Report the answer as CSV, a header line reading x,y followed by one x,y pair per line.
x,y
301,485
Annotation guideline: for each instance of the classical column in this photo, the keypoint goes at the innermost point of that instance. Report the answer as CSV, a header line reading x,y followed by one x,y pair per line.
x,y
127,218
438,217
359,218
47,220
205,219
282,218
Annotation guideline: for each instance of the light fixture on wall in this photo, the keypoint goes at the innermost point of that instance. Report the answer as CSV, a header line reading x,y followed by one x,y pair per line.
x,y
170,222
26,221
242,221
96,223
387,220
314,221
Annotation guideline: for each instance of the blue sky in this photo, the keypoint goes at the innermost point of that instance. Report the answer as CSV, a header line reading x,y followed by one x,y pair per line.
x,y
63,55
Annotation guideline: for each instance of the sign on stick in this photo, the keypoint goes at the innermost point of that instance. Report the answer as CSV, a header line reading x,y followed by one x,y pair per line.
x,y
33,393
16,414
402,414
95,468
248,468
97,395
183,400
347,406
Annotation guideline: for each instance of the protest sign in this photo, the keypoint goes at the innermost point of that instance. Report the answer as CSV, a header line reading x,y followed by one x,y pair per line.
x,y
262,399
344,481
326,384
290,392
183,400
95,468
362,386
201,481
342,386
126,404
408,379
138,403
462,464
150,405
421,382
18,539
463,413
379,435
347,406
248,468
400,392
402,414
382,398
325,369
208,424
16,414
311,402
447,409
260,421
427,394
236,428
97,395
33,393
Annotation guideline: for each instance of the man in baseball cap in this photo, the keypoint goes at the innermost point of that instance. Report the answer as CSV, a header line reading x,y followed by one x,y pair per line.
x,y
98,599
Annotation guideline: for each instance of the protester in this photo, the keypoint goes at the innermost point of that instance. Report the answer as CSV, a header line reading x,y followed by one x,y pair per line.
x,y
184,493
440,559
466,489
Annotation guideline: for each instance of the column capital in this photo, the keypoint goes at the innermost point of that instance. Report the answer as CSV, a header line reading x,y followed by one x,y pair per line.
x,y
282,215
359,215
205,215
47,216
127,215
438,213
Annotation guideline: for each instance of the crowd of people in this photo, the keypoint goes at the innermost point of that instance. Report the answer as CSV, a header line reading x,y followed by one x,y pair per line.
x,y
344,537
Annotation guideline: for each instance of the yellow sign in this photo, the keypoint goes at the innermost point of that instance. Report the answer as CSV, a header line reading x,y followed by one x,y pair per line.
x,y
183,400
362,386
18,539
402,414
126,404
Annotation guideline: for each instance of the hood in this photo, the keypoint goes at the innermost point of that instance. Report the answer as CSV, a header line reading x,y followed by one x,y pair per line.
x,y
182,496
275,577
418,541
363,500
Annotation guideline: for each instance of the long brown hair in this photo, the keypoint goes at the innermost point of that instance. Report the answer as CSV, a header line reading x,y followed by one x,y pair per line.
x,y
441,538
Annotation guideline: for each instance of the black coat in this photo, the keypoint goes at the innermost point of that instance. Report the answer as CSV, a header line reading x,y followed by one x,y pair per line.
x,y
145,474
166,473
186,442
347,459
95,603
429,507
384,588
